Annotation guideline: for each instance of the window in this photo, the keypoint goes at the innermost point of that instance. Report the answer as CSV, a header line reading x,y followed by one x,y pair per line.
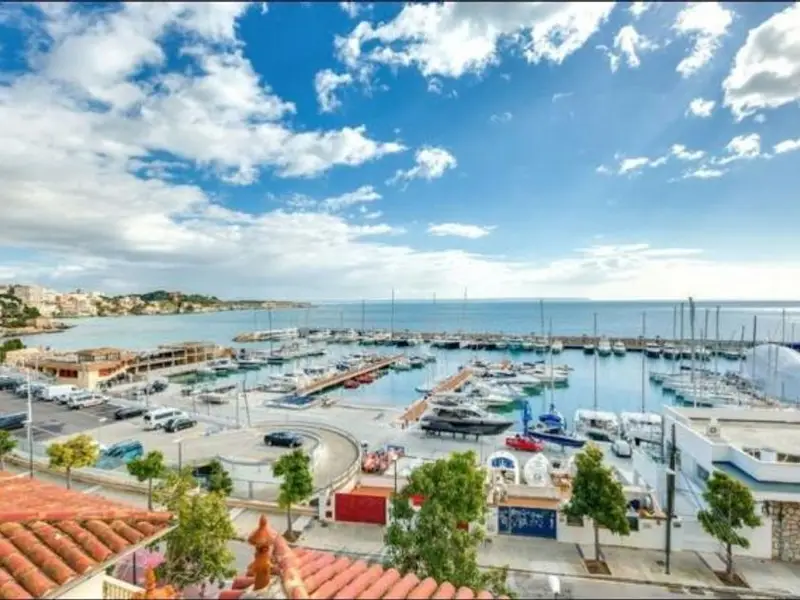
x,y
574,521
633,522
702,474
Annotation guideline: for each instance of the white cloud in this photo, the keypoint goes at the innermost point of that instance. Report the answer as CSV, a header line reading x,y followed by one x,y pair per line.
x,y
680,152
451,39
603,170
628,165
786,146
430,163
705,23
504,117
704,173
628,44
766,70
472,232
364,194
742,147
326,83
375,214
561,96
637,9
351,8
700,108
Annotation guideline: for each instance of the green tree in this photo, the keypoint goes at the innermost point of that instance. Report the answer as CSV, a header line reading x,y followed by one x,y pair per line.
x,y
297,485
147,468
197,550
219,480
7,445
431,541
730,506
598,495
75,453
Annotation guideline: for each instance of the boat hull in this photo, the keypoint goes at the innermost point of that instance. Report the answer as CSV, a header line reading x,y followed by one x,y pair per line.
x,y
558,439
477,428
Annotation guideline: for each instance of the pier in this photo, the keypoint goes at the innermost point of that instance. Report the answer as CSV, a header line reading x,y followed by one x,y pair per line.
x,y
333,381
451,384
488,340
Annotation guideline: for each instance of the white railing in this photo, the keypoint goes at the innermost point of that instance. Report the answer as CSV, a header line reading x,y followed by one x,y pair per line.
x,y
116,589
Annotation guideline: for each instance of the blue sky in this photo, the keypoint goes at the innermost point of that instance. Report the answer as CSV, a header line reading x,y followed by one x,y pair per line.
x,y
644,150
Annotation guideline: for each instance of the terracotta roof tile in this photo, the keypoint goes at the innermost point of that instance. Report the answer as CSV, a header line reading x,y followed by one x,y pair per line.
x,y
50,535
308,573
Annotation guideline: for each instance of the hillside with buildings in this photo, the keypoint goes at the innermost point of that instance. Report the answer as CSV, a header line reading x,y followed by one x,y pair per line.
x,y
21,303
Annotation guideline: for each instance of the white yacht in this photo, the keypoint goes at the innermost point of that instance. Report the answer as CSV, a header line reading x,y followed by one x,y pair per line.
x,y
222,365
540,346
324,335
550,375
401,365
733,354
557,347
348,337
619,348
702,353
636,426
652,350
670,351
604,347
588,348
501,345
597,424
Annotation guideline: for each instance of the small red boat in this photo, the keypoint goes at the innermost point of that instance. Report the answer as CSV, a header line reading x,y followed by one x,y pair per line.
x,y
351,384
525,444
366,378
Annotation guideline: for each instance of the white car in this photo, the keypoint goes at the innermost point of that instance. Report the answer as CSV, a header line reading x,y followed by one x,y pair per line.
x,y
621,448
86,400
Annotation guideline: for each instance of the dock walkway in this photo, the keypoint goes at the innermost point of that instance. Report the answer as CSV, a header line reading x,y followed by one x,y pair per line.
x,y
418,408
327,383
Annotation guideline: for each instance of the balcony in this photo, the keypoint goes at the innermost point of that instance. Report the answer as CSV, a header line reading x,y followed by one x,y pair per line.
x,y
115,589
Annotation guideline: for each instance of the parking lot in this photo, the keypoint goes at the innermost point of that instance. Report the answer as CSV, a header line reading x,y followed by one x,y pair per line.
x,y
53,420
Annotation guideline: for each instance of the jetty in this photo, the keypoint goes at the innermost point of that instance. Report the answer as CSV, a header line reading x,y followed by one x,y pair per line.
x,y
326,383
451,384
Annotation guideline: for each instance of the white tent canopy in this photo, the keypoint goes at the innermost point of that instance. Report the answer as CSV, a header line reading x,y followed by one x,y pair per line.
x,y
775,370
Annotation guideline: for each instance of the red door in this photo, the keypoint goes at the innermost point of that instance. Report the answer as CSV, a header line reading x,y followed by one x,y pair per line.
x,y
357,508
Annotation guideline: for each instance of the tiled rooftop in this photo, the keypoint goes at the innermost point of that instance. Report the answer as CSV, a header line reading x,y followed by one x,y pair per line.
x,y
50,536
307,573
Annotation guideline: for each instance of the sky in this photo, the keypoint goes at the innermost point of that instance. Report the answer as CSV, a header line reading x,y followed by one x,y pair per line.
x,y
344,150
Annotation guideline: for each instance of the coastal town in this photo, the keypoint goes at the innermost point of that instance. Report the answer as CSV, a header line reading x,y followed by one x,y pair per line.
x,y
30,309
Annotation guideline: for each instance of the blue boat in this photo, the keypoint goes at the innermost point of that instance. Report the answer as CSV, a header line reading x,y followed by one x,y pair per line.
x,y
551,428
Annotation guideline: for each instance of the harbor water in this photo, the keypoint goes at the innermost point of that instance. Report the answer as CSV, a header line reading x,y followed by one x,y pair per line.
x,y
619,384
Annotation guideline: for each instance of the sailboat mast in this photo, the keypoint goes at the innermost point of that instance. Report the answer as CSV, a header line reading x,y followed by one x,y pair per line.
x,y
541,318
680,353
595,362
363,317
716,342
691,348
644,357
755,337
552,383
676,346
391,320
741,353
435,316
783,340
271,333
704,338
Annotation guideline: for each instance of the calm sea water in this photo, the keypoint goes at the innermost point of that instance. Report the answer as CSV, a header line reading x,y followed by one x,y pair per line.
x,y
619,380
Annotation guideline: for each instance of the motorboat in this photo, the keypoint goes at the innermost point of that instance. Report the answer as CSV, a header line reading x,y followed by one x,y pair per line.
x,y
415,341
557,347
515,344
540,346
501,345
551,428
429,358
733,354
424,389
670,351
659,378
348,337
213,398
416,362
320,336
638,427
205,372
222,366
465,419
250,363
401,365
652,350
446,343
588,348
702,353
597,424
604,347
619,348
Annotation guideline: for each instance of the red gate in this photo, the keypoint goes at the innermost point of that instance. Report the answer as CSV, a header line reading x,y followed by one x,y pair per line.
x,y
360,508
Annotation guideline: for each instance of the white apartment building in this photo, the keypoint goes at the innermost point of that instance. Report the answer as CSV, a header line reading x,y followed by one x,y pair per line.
x,y
759,447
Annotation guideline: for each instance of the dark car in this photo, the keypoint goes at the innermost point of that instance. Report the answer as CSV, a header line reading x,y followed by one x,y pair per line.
x,y
284,439
128,412
9,422
179,423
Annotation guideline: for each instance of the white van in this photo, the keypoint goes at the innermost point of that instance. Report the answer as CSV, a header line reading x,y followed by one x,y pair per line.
x,y
157,418
52,392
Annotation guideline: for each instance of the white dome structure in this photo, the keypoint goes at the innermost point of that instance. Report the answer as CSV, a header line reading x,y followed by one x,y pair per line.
x,y
503,461
775,370
537,471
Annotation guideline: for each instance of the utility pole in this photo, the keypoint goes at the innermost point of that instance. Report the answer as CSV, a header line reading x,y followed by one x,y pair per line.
x,y
644,362
670,498
30,423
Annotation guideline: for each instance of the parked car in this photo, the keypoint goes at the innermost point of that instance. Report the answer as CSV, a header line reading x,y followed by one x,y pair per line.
x,y
129,412
179,424
159,417
159,385
621,448
284,439
119,454
9,422
86,400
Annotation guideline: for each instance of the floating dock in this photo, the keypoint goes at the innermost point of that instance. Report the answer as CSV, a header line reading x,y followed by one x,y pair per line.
x,y
451,384
336,380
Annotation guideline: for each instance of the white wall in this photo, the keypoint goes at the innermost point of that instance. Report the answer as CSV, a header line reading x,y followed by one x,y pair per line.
x,y
651,535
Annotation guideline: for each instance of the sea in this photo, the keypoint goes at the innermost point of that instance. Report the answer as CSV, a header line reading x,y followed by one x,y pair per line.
x,y
610,383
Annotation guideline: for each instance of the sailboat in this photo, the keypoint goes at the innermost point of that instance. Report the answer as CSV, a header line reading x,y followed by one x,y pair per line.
x,y
550,428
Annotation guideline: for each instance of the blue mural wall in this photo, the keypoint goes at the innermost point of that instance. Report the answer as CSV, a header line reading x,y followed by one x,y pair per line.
x,y
523,520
